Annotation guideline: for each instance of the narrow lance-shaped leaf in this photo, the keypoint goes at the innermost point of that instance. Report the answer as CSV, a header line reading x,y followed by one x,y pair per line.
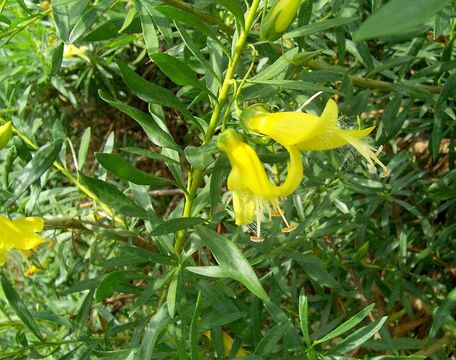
x,y
174,225
232,260
153,131
347,325
36,167
398,16
19,307
123,169
115,199
149,92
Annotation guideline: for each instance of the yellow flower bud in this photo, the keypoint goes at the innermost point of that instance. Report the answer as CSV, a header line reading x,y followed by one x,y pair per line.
x,y
278,19
45,5
6,133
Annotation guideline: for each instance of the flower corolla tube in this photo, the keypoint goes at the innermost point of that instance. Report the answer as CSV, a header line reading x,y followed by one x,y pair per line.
x,y
311,132
253,192
19,234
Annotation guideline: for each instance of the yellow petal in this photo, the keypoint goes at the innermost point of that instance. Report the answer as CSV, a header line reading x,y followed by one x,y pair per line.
x,y
32,224
295,172
333,138
16,234
2,256
244,208
291,128
287,128
248,171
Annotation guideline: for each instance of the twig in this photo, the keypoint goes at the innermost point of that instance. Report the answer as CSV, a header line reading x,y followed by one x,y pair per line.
x,y
370,83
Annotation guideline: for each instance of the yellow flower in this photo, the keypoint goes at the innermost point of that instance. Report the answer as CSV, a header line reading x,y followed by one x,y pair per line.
x,y
6,133
278,19
253,192
19,234
71,50
311,132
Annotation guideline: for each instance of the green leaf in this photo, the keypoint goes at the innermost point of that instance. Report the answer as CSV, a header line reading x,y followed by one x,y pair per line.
x,y
295,85
149,92
108,285
172,293
210,271
232,260
189,19
84,311
235,8
157,323
357,338
174,225
313,266
278,67
196,51
42,161
153,131
129,18
178,71
84,148
442,312
270,340
19,307
398,16
194,334
114,198
89,18
123,169
57,55
303,317
148,30
347,325
150,155
318,27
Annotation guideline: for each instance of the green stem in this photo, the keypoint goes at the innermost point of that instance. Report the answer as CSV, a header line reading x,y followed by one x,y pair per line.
x,y
196,175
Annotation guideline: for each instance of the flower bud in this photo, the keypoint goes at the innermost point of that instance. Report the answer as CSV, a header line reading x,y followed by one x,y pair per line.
x,y
6,133
278,19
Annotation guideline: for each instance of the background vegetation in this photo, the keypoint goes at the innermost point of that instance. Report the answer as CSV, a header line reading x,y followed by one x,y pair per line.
x,y
108,129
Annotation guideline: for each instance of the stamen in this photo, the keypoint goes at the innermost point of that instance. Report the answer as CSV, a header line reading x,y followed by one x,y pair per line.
x,y
279,210
288,229
259,215
256,238
275,213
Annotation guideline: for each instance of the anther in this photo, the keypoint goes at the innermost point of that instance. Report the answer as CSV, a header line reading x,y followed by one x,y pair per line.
x,y
288,229
256,238
275,213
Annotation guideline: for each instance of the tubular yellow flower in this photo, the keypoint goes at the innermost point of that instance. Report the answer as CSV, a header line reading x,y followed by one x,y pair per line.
x,y
19,234
311,132
278,19
6,133
253,192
